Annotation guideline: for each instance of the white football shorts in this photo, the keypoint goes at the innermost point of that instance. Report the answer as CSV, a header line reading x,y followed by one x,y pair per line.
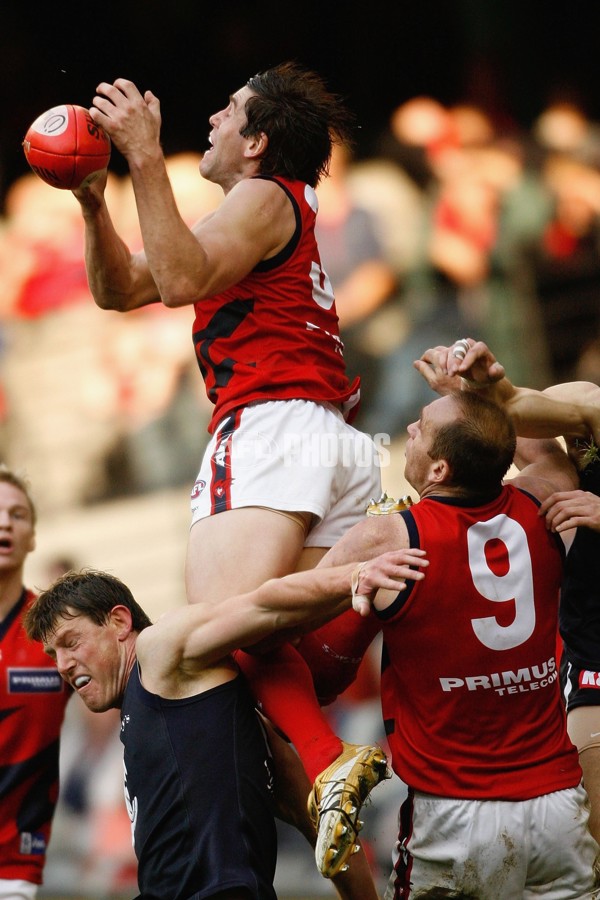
x,y
293,456
491,849
16,889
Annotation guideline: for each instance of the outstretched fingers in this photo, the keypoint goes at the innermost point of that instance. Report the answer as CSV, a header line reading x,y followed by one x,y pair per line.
x,y
389,571
433,366
570,509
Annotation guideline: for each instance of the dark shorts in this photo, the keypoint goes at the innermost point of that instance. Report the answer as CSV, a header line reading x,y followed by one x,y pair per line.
x,y
580,687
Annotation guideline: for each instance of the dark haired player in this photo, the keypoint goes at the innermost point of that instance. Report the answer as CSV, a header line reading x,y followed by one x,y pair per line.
x,y
198,779
284,474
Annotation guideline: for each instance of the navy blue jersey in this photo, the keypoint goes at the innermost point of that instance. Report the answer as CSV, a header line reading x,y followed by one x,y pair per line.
x,y
198,786
579,616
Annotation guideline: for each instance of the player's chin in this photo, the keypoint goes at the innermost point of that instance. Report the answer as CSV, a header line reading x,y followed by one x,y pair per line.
x,y
206,163
97,705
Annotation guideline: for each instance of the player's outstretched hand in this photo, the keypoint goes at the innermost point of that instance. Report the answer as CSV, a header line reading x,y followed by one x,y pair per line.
x,y
388,571
570,509
132,120
433,366
466,359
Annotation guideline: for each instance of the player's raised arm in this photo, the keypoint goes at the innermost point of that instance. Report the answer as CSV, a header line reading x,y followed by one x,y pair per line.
x,y
193,637
571,409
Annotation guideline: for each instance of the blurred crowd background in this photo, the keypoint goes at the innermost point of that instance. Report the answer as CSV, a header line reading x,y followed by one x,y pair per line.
x,y
470,205
452,227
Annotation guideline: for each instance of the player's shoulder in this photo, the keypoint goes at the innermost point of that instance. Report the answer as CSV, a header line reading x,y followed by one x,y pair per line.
x,y
152,645
257,203
378,534
259,188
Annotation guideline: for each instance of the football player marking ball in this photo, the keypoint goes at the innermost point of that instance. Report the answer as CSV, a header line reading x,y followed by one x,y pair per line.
x,y
65,147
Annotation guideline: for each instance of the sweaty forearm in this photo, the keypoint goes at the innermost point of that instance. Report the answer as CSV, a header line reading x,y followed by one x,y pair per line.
x,y
324,592
175,258
568,409
113,275
571,409
539,415
203,633
296,600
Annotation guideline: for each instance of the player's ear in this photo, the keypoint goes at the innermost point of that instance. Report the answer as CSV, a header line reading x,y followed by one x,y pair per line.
x,y
121,619
440,471
257,145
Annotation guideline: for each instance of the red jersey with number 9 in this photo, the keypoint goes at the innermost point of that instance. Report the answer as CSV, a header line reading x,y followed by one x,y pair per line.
x,y
470,689
274,335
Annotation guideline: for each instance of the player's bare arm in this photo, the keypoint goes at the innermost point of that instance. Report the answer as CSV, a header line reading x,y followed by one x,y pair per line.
x,y
186,641
571,410
118,279
544,467
180,265
585,397
367,539
253,223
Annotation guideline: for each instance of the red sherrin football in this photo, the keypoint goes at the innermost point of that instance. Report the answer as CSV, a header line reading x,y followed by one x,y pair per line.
x,y
64,146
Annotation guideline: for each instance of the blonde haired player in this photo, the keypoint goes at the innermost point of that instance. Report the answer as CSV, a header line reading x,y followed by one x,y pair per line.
x,y
32,704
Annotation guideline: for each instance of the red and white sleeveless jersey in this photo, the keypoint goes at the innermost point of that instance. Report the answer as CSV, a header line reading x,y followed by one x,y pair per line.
x,y
33,698
470,689
274,335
